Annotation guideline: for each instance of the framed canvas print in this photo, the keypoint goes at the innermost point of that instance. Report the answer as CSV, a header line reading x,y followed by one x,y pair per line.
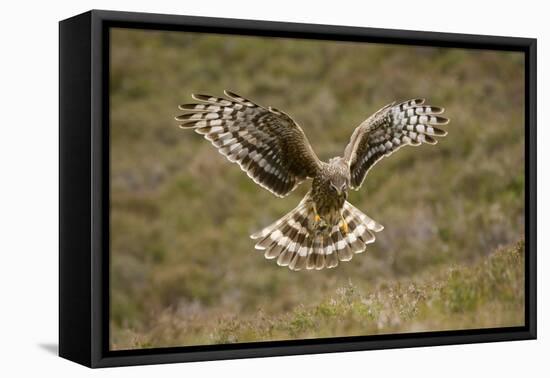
x,y
234,188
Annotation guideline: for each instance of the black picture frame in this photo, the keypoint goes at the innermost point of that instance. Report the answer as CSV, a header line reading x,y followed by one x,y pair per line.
x,y
84,188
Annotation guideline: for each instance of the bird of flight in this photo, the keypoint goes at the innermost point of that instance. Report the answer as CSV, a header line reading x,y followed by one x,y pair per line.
x,y
273,150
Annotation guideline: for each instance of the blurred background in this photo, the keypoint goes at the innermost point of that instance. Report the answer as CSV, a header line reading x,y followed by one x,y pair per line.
x,y
183,269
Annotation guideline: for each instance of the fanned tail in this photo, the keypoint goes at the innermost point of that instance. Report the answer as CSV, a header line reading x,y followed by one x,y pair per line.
x,y
295,241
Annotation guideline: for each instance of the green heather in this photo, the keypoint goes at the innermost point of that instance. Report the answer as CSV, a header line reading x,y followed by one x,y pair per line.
x,y
183,269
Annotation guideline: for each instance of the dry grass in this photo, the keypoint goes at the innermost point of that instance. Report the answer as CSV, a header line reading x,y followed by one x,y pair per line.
x,y
488,294
183,270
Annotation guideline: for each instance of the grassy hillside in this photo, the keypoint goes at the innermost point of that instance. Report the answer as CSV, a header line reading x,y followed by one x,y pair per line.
x,y
488,294
183,270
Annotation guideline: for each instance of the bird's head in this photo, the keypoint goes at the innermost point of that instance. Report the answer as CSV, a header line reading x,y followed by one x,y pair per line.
x,y
337,177
339,186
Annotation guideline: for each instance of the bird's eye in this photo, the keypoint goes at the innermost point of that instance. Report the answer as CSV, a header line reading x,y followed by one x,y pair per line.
x,y
344,187
332,187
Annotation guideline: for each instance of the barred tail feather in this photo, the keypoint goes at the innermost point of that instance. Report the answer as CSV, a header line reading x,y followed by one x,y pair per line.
x,y
361,227
293,242
286,239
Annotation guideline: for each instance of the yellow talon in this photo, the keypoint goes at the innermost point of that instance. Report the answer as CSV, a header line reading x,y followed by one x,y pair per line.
x,y
344,227
317,218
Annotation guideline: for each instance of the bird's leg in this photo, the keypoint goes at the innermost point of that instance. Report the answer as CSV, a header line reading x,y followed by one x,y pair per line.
x,y
320,224
316,218
344,226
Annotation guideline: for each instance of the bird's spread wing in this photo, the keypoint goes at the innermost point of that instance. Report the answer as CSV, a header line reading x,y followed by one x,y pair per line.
x,y
266,143
408,123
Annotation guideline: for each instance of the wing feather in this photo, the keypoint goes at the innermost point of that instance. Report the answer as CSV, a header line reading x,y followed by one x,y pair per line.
x,y
266,143
390,128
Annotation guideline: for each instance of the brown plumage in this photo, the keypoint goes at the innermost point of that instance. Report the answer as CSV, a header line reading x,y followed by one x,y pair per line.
x,y
274,151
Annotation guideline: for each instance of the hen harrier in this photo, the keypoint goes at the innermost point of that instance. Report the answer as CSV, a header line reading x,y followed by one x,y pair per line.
x,y
274,151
